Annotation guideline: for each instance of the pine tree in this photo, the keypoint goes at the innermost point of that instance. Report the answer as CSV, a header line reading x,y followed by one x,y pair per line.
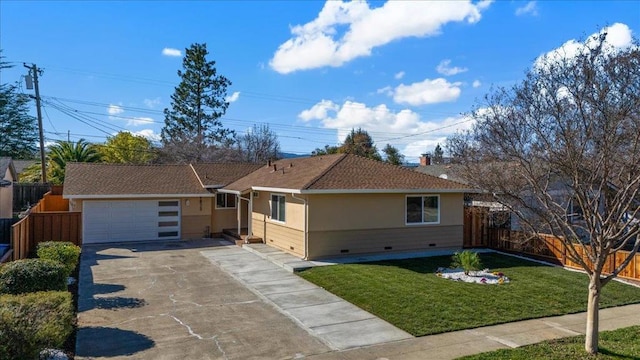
x,y
19,129
192,124
438,155
359,142
392,155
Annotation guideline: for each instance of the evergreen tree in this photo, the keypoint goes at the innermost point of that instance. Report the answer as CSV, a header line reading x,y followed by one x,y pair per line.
x,y
193,121
19,129
438,155
359,142
392,155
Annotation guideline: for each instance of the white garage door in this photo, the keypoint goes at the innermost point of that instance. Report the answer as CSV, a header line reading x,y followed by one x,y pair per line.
x,y
130,220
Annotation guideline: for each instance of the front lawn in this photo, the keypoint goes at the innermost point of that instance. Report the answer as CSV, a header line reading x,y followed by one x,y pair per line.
x,y
618,344
408,294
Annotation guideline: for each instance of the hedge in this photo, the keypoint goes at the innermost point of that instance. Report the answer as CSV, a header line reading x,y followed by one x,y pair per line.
x,y
64,252
31,275
30,323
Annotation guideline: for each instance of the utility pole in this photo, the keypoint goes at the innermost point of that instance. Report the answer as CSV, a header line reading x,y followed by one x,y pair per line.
x,y
33,71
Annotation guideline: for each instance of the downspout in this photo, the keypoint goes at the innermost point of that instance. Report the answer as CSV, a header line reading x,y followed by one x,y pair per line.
x,y
306,225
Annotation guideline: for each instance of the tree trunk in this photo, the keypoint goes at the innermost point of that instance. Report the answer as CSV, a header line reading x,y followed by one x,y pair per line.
x,y
593,305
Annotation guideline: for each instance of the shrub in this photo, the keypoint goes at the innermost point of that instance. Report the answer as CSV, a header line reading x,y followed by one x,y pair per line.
x,y
64,252
32,322
31,275
467,260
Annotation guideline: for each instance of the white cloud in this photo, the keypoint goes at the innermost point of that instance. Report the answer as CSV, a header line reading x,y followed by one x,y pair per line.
x,y
152,103
387,90
476,83
114,109
319,110
427,92
385,125
147,133
446,69
234,97
138,121
319,43
399,75
530,8
171,52
619,36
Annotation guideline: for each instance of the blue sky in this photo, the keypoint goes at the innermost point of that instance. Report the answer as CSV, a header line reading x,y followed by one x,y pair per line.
x,y
407,72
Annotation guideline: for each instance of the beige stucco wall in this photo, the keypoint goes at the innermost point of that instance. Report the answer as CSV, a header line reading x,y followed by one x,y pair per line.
x,y
408,238
374,223
195,217
6,198
287,235
374,211
228,218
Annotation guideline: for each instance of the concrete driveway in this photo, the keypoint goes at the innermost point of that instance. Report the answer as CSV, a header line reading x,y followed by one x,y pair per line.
x,y
165,300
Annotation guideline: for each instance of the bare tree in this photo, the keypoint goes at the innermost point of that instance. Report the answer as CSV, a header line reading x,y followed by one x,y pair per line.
x,y
259,144
561,149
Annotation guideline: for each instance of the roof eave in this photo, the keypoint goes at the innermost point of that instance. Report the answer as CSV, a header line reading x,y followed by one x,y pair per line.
x,y
133,196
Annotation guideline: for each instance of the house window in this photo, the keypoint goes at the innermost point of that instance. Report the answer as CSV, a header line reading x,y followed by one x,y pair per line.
x,y
423,209
225,201
277,207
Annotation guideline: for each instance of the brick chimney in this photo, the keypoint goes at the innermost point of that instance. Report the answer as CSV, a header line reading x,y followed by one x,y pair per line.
x,y
425,159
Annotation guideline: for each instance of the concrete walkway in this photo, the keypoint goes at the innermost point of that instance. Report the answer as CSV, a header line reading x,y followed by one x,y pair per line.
x,y
489,338
336,322
453,344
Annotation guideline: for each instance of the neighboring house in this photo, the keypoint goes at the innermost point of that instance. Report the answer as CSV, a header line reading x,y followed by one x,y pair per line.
x,y
146,202
21,165
312,207
341,204
7,177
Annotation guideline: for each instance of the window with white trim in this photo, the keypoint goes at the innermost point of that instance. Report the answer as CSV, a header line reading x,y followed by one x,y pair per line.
x,y
225,201
423,209
278,207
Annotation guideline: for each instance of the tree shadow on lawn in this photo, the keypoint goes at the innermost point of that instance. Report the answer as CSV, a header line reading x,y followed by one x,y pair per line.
x,y
109,342
429,265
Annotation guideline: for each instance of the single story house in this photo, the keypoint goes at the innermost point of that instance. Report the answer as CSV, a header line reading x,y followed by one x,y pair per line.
x,y
313,207
146,202
7,178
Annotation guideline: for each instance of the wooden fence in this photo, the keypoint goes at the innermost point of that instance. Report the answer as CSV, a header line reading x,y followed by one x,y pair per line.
x,y
552,249
476,226
43,224
27,194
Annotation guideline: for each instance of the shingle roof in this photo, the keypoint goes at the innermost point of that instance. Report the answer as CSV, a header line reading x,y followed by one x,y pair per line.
x,y
7,163
82,179
221,174
340,172
451,171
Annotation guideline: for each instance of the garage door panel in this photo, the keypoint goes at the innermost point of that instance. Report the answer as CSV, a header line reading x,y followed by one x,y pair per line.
x,y
130,220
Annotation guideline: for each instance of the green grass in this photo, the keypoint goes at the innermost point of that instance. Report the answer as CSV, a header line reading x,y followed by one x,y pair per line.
x,y
408,294
618,344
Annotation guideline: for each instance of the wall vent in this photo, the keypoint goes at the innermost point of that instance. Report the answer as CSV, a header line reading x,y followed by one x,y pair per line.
x,y
431,245
344,251
388,247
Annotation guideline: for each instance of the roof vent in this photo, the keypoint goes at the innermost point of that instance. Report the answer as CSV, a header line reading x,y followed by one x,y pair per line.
x,y
275,167
269,162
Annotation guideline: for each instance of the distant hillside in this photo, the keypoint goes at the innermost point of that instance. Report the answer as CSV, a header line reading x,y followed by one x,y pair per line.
x,y
285,155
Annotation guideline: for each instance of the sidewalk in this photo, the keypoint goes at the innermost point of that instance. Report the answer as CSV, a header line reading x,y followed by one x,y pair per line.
x,y
455,344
